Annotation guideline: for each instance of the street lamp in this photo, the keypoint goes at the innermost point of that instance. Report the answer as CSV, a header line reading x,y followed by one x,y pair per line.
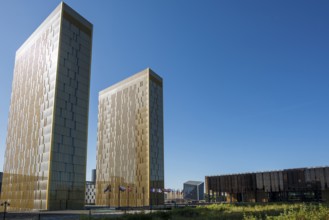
x,y
5,204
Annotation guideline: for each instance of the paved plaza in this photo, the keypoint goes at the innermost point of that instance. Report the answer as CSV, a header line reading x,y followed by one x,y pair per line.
x,y
68,214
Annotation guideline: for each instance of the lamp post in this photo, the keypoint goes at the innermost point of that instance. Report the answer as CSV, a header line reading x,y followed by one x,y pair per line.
x,y
5,204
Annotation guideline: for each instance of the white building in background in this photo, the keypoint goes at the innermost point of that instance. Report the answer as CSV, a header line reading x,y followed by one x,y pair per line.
x,y
90,193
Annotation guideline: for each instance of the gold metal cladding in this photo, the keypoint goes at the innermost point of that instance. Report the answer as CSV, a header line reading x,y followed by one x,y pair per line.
x,y
126,146
46,142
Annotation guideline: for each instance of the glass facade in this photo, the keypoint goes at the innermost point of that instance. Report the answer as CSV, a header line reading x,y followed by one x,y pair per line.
x,y
130,142
46,143
289,185
193,190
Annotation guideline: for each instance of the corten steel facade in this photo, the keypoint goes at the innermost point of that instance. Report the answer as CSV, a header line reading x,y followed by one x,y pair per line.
x,y
303,184
193,190
46,146
130,142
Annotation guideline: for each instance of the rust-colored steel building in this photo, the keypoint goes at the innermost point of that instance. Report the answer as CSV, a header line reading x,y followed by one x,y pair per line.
x,y
302,184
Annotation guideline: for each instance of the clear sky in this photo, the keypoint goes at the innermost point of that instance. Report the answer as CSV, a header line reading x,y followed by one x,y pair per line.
x,y
246,83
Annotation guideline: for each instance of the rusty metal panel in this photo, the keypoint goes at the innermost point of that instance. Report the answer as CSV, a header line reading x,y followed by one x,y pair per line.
x,y
301,178
243,183
297,179
212,185
217,184
312,172
292,179
320,177
285,180
229,183
288,179
327,176
206,183
240,182
259,181
235,183
275,181
281,186
267,181
226,183
221,184
252,184
307,174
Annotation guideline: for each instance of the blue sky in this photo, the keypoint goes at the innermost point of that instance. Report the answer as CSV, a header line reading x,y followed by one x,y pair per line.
x,y
246,83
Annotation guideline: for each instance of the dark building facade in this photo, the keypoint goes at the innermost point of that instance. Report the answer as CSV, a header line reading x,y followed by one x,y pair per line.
x,y
193,190
93,175
302,184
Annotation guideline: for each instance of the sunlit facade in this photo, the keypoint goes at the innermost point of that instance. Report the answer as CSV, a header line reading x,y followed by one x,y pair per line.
x,y
46,145
130,142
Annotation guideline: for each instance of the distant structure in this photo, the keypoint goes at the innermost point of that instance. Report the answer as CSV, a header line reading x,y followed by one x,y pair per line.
x,y
90,193
130,157
302,184
93,175
193,190
174,196
1,174
90,197
46,146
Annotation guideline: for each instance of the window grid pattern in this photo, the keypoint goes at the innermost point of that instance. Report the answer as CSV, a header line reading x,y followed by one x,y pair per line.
x,y
45,155
28,142
90,196
68,168
156,139
123,147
